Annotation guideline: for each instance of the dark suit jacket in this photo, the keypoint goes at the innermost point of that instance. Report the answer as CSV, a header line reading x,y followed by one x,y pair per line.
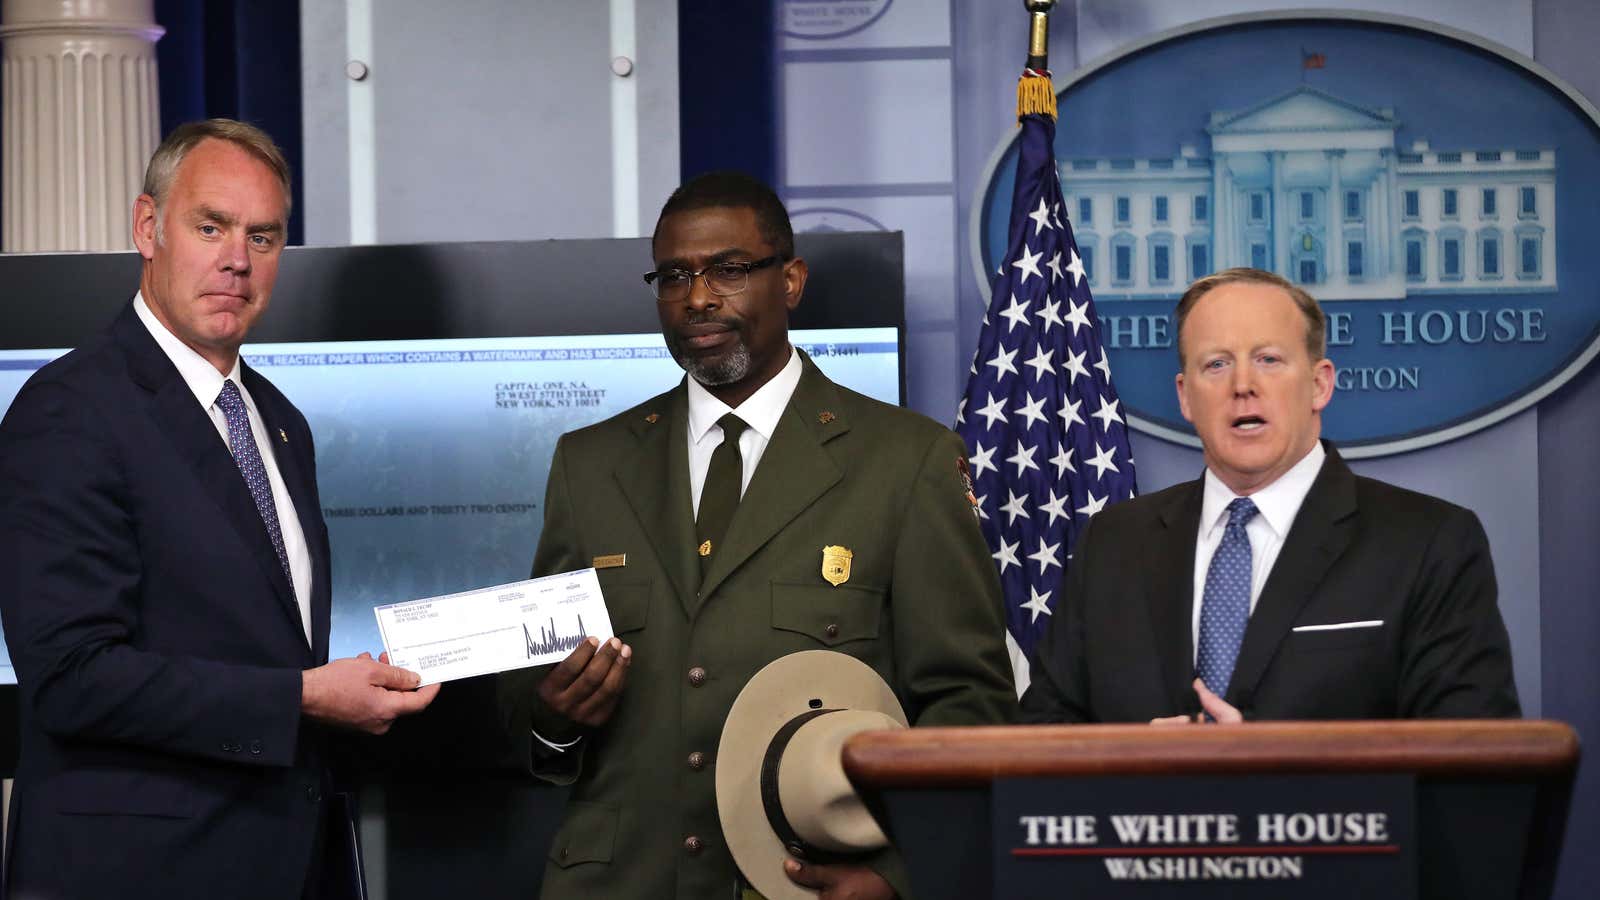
x,y
1121,647
921,606
157,642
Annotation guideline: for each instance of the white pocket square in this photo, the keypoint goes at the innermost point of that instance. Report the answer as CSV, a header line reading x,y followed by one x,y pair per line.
x,y
1341,626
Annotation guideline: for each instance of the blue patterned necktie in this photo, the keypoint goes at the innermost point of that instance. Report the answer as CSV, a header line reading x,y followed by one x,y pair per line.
x,y
1225,607
248,456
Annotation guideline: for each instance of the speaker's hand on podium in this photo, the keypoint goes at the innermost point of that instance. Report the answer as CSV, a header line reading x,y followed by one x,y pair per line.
x,y
584,688
1220,711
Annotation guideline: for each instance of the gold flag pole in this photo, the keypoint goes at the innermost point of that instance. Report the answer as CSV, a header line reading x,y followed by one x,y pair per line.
x,y
1035,94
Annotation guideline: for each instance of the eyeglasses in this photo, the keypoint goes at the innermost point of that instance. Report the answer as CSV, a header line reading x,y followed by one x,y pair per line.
x,y
724,279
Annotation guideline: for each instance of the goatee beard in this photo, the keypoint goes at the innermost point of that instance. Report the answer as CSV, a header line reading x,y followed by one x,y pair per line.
x,y
728,368
723,370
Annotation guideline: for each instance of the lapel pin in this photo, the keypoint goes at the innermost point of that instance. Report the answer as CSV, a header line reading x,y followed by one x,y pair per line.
x,y
282,437
825,417
836,564
652,418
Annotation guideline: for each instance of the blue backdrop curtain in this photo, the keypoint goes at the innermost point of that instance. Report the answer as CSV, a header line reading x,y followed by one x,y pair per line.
x,y
236,59
727,88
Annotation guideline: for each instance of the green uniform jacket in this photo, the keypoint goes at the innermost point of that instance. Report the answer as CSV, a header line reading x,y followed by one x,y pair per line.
x,y
922,606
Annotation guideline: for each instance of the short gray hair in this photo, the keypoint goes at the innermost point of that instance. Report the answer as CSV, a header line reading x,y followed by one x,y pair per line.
x,y
164,162
1316,322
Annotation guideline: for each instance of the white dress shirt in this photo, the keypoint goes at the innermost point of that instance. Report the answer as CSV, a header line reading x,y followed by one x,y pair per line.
x,y
1277,504
761,411
205,382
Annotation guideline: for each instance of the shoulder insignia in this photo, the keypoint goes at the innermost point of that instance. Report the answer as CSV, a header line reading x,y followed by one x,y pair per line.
x,y
966,483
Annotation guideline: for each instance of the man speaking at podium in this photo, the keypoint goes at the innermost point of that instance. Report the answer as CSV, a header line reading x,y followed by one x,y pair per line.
x,y
164,576
755,510
1280,585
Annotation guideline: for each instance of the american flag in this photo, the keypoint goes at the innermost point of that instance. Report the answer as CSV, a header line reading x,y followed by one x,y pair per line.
x,y
1047,440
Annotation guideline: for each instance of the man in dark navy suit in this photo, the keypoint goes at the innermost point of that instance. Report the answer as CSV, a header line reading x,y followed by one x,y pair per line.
x,y
1279,585
164,576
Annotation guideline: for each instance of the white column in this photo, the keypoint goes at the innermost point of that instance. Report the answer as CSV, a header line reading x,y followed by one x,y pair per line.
x,y
1389,258
1280,218
1219,220
1230,256
81,119
1335,243
1377,214
1396,236
1378,222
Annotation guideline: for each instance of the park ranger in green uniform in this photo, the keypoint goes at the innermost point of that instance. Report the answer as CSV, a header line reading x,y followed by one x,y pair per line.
x,y
755,510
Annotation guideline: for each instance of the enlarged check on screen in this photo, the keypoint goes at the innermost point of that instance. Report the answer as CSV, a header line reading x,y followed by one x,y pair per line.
x,y
494,629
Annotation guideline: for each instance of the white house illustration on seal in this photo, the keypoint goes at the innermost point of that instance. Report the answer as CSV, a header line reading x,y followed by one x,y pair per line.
x,y
1312,187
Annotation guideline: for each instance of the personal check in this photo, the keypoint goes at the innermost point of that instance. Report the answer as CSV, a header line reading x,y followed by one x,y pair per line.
x,y
494,629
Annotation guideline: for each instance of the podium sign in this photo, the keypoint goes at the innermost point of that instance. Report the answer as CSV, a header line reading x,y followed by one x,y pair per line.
x,y
1239,836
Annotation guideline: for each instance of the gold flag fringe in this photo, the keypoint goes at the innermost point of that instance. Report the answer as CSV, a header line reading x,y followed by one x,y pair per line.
x,y
1035,95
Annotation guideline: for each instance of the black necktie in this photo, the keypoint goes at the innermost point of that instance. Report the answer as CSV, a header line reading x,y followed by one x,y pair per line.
x,y
719,497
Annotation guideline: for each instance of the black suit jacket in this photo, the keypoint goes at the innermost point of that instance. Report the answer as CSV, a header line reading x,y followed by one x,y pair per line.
x,y
1121,647
157,642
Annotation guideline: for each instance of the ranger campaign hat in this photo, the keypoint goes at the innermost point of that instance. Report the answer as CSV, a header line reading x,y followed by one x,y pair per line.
x,y
781,786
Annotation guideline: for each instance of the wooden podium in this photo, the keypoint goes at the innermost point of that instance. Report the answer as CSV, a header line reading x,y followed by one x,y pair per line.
x,y
1490,806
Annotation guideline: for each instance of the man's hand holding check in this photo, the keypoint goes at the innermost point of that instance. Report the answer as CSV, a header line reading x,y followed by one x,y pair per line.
x,y
584,688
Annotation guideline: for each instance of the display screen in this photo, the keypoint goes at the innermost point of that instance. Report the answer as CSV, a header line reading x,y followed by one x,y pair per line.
x,y
432,455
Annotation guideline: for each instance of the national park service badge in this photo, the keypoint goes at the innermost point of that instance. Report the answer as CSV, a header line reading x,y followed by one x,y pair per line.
x,y
836,565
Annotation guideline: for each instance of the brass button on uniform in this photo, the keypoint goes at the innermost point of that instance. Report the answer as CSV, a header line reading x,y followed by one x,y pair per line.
x,y
832,629
697,676
697,761
693,845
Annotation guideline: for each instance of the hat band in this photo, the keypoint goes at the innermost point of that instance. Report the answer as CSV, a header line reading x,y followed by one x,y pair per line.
x,y
791,840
